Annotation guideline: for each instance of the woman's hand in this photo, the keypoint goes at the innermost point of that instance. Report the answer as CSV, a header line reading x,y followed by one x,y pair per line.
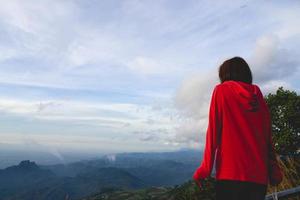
x,y
199,183
198,180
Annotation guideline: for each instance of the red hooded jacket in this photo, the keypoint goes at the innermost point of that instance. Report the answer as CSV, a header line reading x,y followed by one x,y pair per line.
x,y
239,136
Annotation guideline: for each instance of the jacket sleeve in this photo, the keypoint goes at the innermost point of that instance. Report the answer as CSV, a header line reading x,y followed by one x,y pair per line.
x,y
275,172
212,136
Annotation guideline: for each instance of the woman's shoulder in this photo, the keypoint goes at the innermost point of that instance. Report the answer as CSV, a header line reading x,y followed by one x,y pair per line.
x,y
230,85
221,86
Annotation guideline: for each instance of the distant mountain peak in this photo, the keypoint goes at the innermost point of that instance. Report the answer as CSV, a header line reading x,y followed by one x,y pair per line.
x,y
27,164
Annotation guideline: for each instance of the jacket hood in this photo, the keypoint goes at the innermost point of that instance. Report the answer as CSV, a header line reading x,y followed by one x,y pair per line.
x,y
247,92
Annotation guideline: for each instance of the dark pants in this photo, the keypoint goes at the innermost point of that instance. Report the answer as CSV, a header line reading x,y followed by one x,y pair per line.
x,y
239,190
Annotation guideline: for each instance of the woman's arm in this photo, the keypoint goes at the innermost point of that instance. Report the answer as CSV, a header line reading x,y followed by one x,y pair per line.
x,y
212,136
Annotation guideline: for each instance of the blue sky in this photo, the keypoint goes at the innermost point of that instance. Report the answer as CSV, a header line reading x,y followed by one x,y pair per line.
x,y
111,76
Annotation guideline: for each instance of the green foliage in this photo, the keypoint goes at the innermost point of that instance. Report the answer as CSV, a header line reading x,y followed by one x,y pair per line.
x,y
284,107
187,191
190,191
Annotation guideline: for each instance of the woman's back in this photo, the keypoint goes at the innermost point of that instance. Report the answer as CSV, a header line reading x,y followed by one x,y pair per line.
x,y
242,153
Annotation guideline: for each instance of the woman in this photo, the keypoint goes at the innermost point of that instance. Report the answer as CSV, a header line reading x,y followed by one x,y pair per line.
x,y
239,134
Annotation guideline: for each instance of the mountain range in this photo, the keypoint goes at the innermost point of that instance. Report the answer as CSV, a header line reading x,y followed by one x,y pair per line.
x,y
76,180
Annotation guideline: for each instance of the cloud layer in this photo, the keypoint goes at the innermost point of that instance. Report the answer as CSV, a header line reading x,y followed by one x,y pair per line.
x,y
132,75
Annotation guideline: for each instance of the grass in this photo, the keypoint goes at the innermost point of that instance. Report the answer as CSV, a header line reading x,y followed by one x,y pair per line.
x,y
291,176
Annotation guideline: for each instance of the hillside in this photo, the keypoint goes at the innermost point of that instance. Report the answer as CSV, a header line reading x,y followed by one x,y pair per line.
x,y
190,191
34,183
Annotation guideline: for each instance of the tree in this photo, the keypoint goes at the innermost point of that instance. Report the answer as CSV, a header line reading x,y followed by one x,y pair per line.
x,y
284,107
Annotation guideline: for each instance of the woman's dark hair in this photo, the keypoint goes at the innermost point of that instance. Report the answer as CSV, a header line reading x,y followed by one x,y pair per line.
x,y
235,69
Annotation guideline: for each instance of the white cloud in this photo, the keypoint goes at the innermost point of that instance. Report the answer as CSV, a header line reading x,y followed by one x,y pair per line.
x,y
272,62
31,16
191,131
56,143
120,120
194,93
72,111
146,66
94,46
273,85
192,100
35,28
